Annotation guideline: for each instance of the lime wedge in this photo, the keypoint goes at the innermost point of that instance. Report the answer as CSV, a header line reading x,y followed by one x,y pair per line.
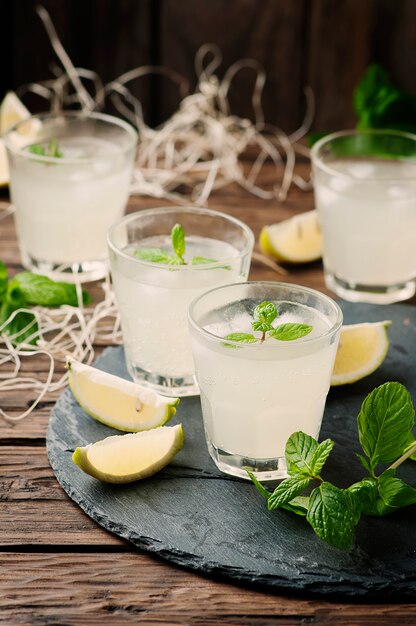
x,y
362,349
296,240
116,402
125,458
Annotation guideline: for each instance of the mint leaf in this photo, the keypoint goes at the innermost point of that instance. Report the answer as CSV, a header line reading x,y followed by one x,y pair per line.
x,y
300,454
177,236
320,456
385,423
393,493
264,492
333,515
37,149
4,279
286,491
263,315
201,260
153,255
289,332
365,495
364,462
53,149
39,290
242,337
298,505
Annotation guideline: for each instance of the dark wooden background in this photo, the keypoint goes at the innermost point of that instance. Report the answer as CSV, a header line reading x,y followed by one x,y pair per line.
x,y
326,44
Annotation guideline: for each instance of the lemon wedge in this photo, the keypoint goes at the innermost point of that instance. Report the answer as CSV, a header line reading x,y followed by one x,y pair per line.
x,y
362,349
12,111
296,240
125,458
116,402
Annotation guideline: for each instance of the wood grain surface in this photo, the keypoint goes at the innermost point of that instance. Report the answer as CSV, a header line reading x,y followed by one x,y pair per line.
x,y
59,568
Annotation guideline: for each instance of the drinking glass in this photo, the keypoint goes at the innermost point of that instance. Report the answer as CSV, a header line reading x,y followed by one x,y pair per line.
x,y
66,203
365,191
255,395
153,298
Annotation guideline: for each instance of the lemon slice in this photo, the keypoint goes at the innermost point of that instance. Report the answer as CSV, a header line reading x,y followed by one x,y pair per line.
x,y
296,240
125,458
362,349
117,402
4,165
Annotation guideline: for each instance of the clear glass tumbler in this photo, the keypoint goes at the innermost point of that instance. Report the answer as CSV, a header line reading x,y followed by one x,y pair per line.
x,y
255,395
153,298
365,190
65,203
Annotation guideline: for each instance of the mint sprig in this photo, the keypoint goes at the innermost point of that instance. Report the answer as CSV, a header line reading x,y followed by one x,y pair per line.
x,y
52,150
385,424
263,315
178,243
25,290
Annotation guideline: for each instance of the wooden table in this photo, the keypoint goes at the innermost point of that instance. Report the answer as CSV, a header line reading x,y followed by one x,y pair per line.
x,y
60,567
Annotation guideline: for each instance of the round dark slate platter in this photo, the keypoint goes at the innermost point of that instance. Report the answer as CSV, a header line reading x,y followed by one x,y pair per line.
x,y
192,515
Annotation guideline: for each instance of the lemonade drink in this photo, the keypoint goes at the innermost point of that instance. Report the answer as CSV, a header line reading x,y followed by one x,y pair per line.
x,y
367,213
65,205
153,298
254,396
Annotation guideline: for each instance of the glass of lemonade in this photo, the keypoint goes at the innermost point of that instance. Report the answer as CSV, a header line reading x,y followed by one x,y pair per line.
x,y
153,297
255,395
365,190
69,177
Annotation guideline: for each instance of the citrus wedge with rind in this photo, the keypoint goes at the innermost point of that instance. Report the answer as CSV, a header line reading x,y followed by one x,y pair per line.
x,y
296,240
362,349
117,402
12,110
126,458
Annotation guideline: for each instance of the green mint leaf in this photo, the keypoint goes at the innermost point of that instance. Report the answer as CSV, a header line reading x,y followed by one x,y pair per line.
x,y
364,462
333,515
298,505
4,279
321,455
264,492
37,149
177,236
289,332
365,495
385,423
53,149
264,314
300,453
154,255
36,289
24,325
286,491
393,493
201,260
241,337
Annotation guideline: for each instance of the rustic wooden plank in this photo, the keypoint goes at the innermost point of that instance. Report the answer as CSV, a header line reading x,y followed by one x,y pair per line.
x,y
270,33
87,589
340,36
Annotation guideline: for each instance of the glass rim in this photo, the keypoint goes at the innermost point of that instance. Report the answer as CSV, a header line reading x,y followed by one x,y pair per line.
x,y
190,209
319,163
275,345
77,115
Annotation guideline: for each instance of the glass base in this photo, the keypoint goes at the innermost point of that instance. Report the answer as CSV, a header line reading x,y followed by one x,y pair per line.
x,y
83,272
166,386
234,464
369,293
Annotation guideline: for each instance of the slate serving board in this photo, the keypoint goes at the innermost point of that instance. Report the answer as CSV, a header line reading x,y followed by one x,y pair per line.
x,y
192,515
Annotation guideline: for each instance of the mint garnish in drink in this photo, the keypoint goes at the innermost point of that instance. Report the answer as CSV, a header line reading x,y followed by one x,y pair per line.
x,y
385,424
178,243
264,314
52,150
